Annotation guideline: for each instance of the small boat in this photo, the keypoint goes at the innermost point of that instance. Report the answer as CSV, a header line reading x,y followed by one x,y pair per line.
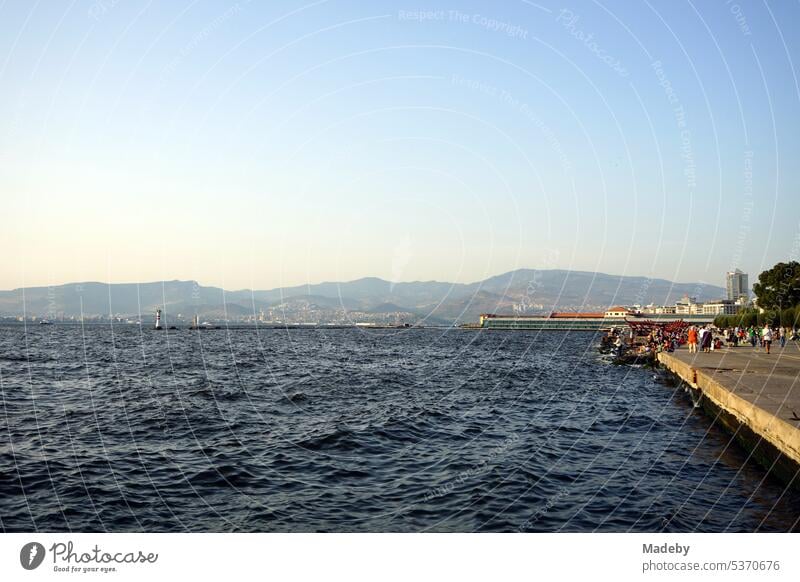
x,y
44,322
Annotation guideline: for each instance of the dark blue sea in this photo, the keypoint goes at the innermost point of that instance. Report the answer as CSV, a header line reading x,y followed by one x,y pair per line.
x,y
337,430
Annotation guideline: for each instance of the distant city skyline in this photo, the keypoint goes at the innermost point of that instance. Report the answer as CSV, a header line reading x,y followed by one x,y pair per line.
x,y
252,146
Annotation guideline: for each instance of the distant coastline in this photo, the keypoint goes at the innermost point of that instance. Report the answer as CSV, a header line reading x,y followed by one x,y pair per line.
x,y
366,300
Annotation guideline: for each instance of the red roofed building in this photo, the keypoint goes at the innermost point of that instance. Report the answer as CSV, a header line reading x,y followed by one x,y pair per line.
x,y
575,315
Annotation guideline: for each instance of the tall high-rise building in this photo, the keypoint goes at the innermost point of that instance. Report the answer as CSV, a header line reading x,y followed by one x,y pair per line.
x,y
737,285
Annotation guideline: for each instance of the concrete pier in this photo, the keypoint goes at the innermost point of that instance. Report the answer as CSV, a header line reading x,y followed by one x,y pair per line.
x,y
755,396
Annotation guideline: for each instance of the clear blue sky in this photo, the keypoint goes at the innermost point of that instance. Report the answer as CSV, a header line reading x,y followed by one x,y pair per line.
x,y
247,145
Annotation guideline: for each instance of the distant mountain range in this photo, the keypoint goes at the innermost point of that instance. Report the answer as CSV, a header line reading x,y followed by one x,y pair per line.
x,y
526,291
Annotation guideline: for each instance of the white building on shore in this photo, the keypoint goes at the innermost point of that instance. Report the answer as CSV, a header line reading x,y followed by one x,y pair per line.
x,y
690,306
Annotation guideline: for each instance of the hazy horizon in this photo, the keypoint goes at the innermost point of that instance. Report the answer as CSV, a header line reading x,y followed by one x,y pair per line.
x,y
262,146
720,283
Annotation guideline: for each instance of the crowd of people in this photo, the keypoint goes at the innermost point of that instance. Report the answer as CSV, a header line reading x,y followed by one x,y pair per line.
x,y
655,341
709,338
706,338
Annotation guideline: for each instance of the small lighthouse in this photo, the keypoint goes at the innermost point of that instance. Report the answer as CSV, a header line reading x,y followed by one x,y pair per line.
x,y
158,319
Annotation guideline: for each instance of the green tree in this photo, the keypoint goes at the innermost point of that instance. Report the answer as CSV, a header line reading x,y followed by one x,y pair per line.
x,y
749,319
779,287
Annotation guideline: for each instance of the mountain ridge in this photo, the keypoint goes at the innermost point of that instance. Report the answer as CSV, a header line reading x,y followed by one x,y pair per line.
x,y
519,291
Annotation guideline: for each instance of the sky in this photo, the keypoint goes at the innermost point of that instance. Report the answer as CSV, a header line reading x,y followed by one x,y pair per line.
x,y
257,145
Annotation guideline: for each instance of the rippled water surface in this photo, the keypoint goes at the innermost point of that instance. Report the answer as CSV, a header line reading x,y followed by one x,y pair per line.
x,y
129,429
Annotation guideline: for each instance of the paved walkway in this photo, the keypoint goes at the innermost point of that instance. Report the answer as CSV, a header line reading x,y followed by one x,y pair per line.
x,y
771,382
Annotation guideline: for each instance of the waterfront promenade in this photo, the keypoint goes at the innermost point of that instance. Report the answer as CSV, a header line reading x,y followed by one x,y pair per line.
x,y
754,395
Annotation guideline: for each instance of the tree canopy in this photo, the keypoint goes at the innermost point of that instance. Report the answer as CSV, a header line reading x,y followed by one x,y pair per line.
x,y
779,287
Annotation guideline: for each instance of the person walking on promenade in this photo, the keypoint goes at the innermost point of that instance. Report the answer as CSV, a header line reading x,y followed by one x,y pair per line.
x,y
692,339
766,337
705,339
782,336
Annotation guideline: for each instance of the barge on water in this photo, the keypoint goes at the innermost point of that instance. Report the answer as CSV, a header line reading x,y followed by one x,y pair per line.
x,y
615,317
